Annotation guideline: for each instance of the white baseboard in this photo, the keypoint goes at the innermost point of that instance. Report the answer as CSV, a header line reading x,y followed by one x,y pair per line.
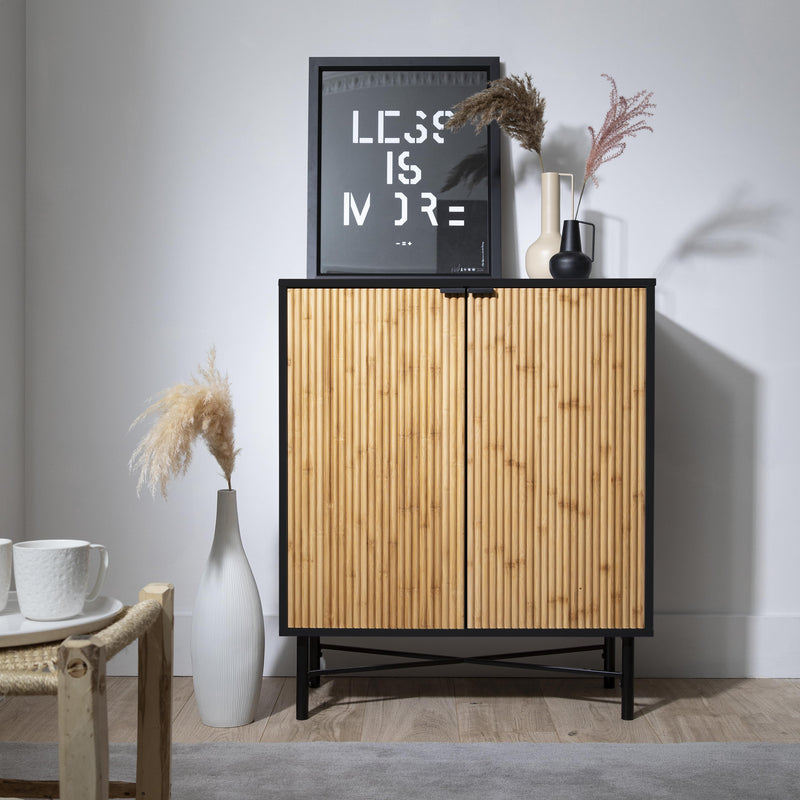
x,y
684,645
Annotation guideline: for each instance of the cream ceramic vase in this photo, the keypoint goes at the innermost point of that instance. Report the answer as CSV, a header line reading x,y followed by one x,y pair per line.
x,y
227,628
538,255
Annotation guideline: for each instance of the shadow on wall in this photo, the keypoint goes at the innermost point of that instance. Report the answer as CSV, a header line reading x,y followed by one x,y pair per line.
x,y
734,230
737,229
705,451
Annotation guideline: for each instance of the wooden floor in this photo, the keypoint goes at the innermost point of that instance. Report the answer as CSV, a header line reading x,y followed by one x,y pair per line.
x,y
460,710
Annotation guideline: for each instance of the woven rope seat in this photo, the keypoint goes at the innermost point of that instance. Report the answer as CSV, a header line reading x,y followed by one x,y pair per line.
x,y
31,669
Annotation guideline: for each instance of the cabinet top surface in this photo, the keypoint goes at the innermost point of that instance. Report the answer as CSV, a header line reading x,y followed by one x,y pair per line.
x,y
436,282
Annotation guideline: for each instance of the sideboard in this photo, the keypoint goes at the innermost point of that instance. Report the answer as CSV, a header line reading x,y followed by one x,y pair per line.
x,y
466,458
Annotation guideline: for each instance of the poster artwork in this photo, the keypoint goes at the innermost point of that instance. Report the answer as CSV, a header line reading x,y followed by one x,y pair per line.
x,y
401,193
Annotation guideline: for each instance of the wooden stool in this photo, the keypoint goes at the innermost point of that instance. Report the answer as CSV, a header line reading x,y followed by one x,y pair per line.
x,y
75,671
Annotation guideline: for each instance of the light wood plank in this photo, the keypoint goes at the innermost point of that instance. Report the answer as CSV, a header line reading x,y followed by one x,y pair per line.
x,y
122,697
414,710
502,710
676,710
583,711
189,728
335,714
29,719
725,710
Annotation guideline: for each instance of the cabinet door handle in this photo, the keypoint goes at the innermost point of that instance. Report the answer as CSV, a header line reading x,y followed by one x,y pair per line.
x,y
453,291
481,291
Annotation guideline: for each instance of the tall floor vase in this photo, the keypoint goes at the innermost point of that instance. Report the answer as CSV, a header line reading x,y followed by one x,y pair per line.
x,y
227,628
538,255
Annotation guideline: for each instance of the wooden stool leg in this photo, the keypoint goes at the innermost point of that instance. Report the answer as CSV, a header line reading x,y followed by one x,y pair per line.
x,y
154,737
82,720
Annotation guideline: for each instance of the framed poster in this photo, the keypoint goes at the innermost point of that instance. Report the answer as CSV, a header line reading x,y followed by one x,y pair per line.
x,y
391,190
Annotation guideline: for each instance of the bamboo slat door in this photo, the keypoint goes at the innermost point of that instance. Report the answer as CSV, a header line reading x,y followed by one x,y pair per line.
x,y
556,458
375,461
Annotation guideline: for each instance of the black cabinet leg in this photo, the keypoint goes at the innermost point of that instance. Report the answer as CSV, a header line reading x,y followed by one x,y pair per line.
x,y
609,659
301,703
627,677
315,656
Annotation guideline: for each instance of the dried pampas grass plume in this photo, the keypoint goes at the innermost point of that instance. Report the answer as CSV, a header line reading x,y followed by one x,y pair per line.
x,y
625,118
514,103
184,412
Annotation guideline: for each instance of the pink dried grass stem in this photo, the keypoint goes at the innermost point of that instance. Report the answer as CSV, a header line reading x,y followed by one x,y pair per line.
x,y
625,118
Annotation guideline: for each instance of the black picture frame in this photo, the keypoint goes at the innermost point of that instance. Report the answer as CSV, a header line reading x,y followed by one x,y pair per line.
x,y
390,190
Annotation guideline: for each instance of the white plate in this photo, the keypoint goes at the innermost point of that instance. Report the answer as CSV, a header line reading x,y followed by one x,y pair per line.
x,y
16,631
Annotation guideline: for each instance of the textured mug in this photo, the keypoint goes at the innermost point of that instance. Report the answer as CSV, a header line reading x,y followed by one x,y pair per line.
x,y
5,570
52,576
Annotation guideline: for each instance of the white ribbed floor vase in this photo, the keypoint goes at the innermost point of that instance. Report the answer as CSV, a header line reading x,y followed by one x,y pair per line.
x,y
227,628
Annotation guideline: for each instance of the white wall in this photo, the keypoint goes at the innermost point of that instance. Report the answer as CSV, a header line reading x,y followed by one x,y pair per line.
x,y
166,195
12,266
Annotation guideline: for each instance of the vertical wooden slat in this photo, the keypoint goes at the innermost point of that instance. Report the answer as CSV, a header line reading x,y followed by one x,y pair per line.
x,y
364,456
530,462
506,411
536,323
552,476
639,427
491,577
516,510
335,475
422,392
573,585
474,507
411,475
318,456
305,461
581,451
606,524
375,480
338,380
435,542
478,398
454,547
619,450
455,424
626,434
349,532
596,457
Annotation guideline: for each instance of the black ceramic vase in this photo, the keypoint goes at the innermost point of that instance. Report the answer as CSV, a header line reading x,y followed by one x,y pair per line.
x,y
571,263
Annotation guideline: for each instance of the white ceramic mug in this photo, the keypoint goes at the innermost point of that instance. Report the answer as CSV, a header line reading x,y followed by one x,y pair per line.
x,y
5,570
52,575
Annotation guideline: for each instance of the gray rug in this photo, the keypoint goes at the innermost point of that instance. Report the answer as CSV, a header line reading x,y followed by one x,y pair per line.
x,y
345,771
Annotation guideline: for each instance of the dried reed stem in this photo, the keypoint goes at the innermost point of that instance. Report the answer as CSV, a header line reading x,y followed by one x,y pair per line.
x,y
514,103
202,407
625,117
